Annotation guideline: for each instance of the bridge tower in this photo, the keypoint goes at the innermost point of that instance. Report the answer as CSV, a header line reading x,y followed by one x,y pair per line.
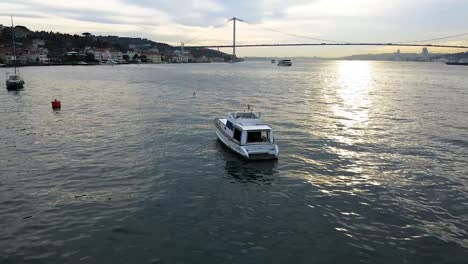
x,y
234,19
182,51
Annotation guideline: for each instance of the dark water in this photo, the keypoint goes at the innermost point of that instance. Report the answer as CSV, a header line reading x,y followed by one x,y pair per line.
x,y
373,165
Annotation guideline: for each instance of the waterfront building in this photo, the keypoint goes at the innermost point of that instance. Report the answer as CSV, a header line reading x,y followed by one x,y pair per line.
x,y
425,52
130,54
217,59
181,56
6,56
151,56
37,57
99,53
102,54
117,56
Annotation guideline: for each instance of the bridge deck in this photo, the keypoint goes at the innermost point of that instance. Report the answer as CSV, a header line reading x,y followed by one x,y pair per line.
x,y
330,44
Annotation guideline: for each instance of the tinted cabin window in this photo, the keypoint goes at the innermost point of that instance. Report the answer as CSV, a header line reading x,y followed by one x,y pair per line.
x,y
237,134
229,124
258,136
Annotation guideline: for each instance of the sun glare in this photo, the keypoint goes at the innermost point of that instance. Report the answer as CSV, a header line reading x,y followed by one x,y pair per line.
x,y
353,88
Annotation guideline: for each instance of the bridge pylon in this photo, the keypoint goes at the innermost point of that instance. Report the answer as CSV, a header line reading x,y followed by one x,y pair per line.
x,y
234,19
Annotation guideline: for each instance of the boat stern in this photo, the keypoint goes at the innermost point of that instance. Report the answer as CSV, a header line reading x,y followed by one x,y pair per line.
x,y
14,85
261,151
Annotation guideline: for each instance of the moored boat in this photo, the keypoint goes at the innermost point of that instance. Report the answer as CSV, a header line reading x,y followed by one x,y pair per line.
x,y
247,135
284,63
14,81
457,63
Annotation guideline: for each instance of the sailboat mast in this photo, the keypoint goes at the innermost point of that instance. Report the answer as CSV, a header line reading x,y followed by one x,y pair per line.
x,y
13,39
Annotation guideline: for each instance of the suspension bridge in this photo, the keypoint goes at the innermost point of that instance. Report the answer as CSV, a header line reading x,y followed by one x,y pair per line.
x,y
322,42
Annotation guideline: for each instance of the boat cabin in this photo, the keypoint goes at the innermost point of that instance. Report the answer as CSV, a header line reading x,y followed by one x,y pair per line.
x,y
247,128
14,78
284,63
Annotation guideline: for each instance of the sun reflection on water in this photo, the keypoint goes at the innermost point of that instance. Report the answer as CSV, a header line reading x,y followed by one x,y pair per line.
x,y
353,85
347,97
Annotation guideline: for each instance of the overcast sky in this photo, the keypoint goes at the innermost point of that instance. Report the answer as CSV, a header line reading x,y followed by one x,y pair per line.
x,y
203,21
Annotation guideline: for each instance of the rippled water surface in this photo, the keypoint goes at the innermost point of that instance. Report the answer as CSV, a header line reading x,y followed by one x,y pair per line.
x,y
372,168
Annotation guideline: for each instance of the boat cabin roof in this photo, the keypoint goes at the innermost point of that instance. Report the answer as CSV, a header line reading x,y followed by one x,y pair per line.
x,y
256,127
244,115
14,77
247,121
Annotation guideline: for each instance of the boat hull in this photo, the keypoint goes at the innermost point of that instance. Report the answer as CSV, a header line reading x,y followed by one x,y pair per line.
x,y
457,63
14,85
260,152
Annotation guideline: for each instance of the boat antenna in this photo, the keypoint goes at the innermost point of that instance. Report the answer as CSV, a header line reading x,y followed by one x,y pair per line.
x,y
13,39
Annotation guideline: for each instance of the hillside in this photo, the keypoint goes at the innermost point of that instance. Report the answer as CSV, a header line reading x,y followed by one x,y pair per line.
x,y
58,43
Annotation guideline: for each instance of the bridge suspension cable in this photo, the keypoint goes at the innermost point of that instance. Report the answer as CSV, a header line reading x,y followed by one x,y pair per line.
x,y
325,42
434,39
296,35
206,31
342,41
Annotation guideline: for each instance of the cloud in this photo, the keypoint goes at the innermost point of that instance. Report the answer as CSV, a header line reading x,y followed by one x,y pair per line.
x,y
176,20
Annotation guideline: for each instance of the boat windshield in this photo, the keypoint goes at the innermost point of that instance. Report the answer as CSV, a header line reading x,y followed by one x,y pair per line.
x,y
14,78
244,115
258,136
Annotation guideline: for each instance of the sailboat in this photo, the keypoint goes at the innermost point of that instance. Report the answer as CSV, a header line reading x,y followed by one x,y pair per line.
x,y
14,81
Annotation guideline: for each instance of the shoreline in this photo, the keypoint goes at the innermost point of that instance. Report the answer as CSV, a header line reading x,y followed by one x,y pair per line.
x,y
118,64
66,64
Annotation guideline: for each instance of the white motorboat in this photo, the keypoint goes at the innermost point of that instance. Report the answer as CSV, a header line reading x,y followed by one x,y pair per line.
x,y
246,134
284,63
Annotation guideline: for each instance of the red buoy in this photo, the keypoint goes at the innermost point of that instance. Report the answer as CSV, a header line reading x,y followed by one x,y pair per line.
x,y
56,104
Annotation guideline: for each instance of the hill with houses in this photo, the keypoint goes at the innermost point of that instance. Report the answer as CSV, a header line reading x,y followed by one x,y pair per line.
x,y
43,48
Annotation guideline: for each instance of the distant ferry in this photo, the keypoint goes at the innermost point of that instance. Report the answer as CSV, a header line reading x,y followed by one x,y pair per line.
x,y
457,63
284,63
